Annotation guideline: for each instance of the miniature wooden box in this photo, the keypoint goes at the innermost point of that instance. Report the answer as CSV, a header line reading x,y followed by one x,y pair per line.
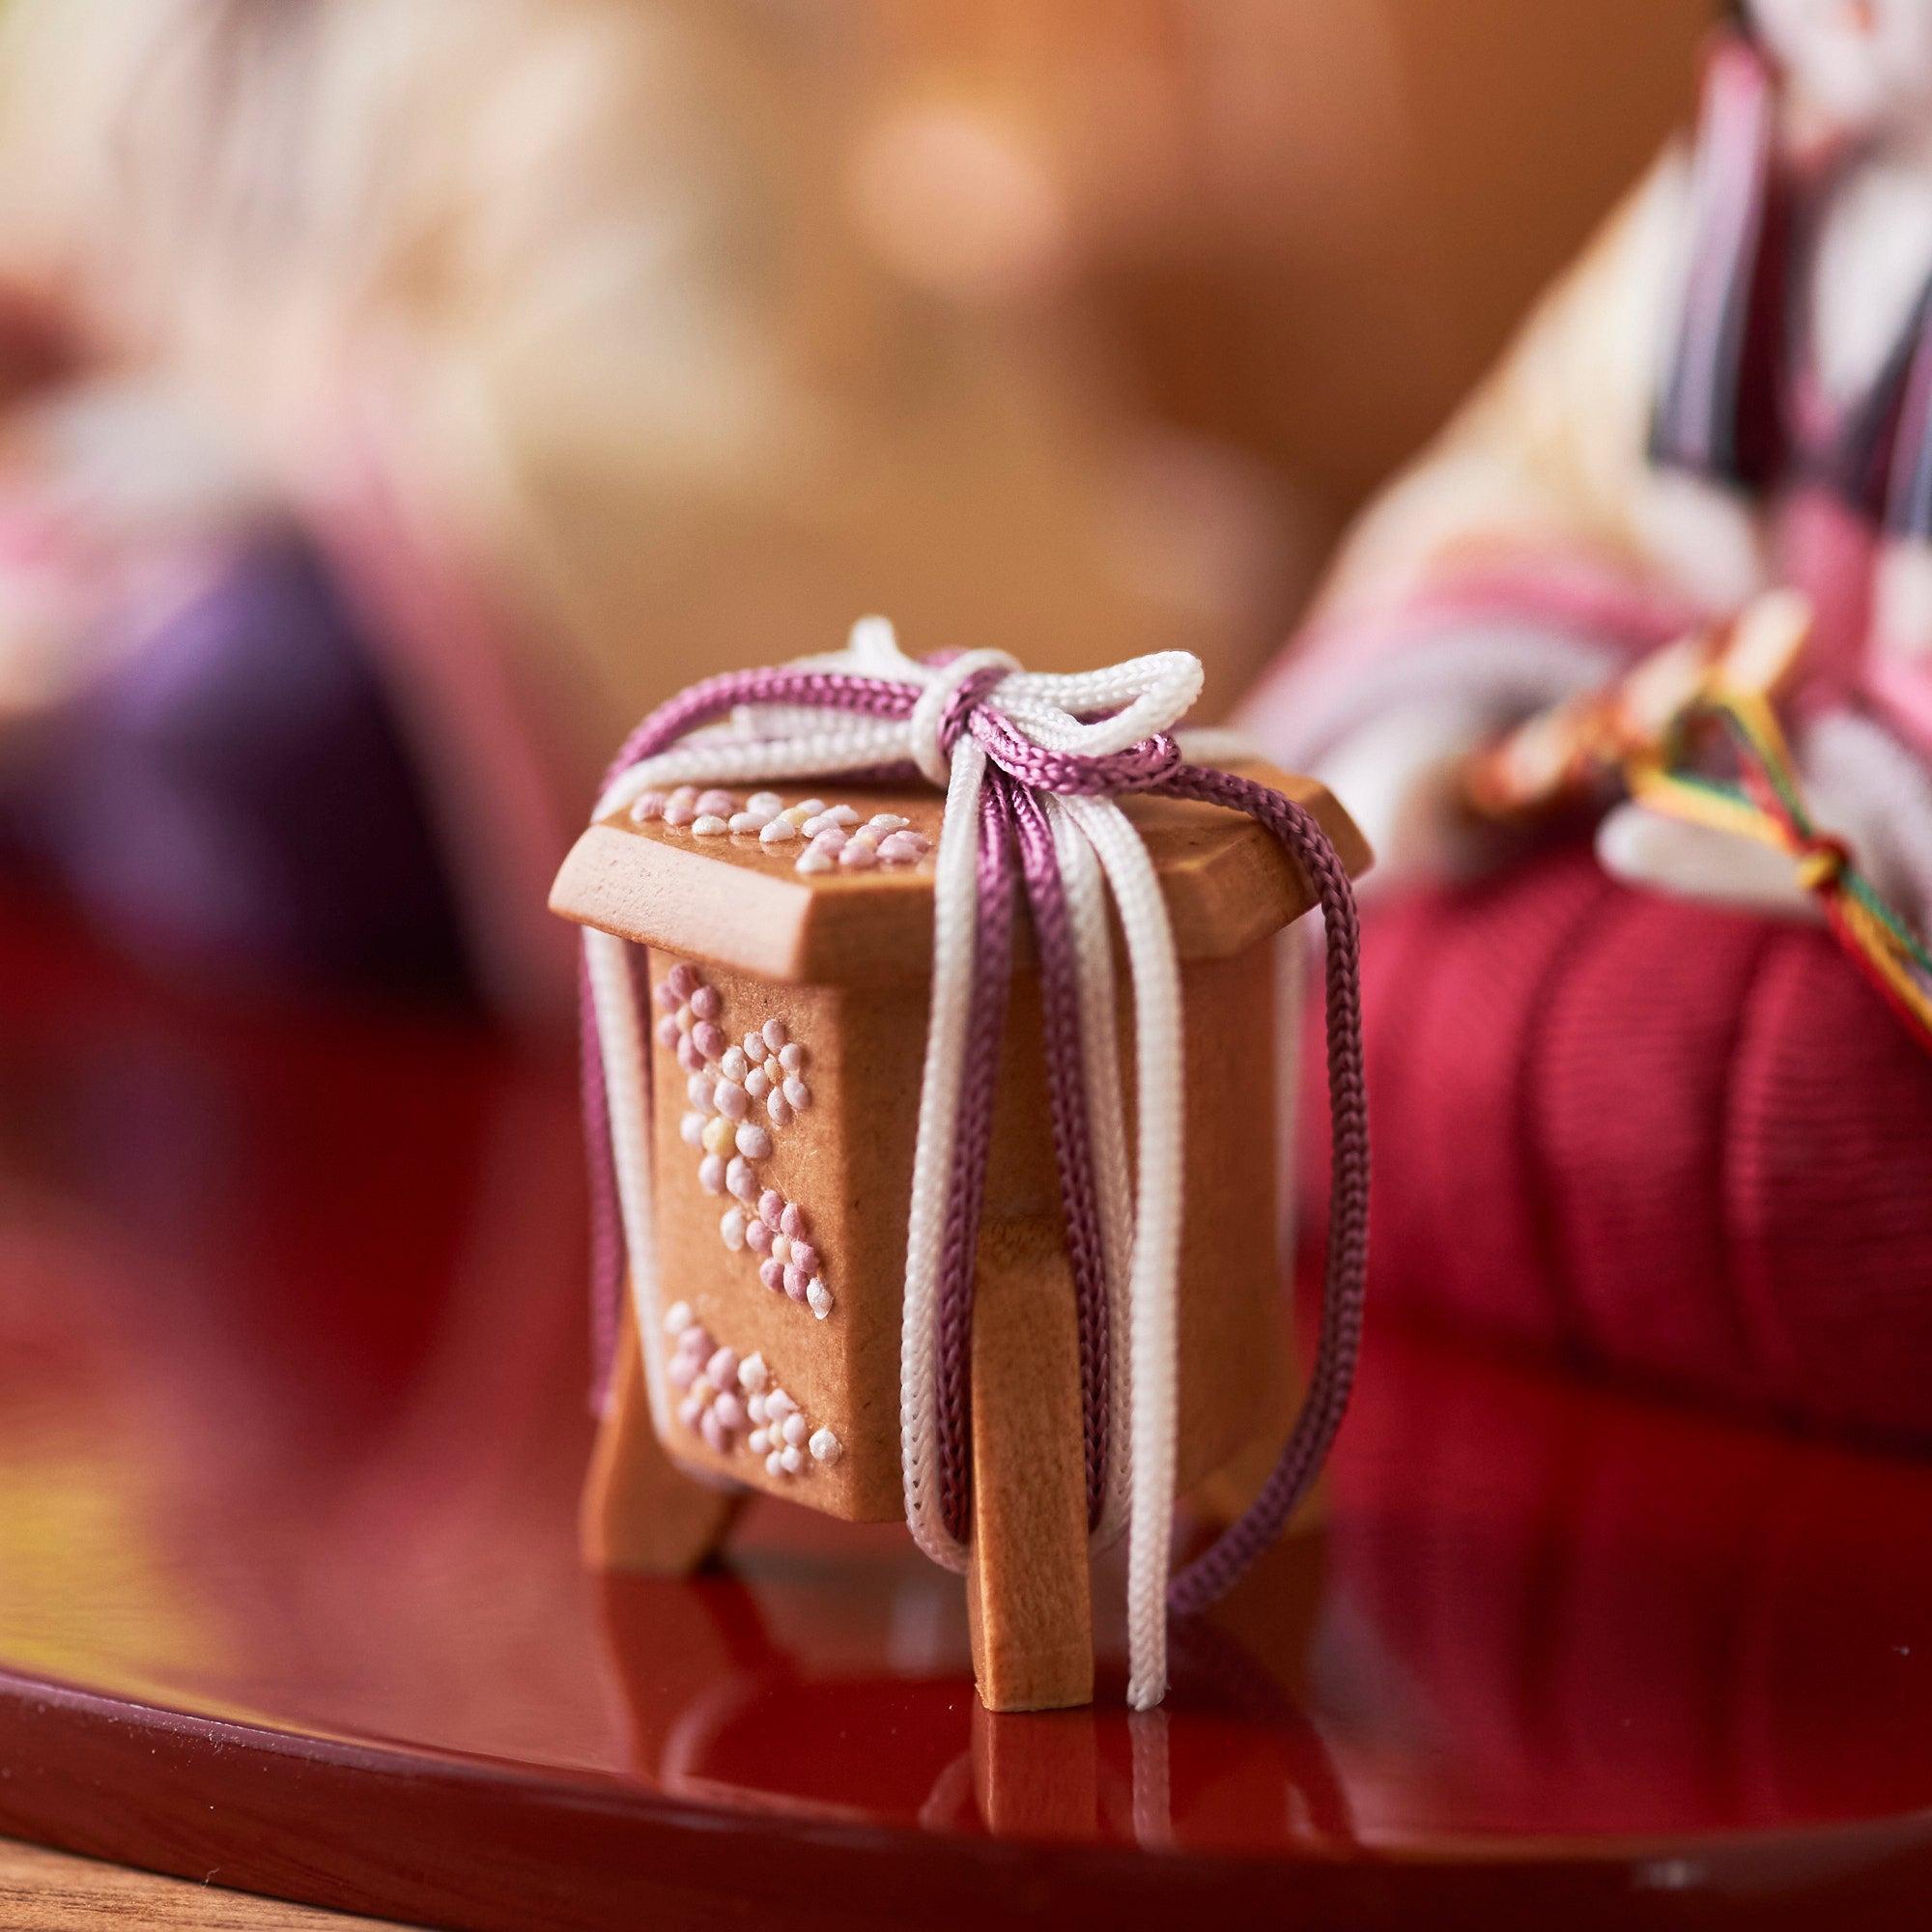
x,y
787,1029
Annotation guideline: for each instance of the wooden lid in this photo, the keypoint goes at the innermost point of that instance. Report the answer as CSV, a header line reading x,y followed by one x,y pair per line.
x,y
745,904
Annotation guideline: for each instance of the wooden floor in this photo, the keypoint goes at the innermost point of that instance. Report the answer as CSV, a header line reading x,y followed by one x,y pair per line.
x,y
48,1891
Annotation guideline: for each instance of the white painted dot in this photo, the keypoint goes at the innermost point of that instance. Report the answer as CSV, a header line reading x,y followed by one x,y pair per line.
x,y
816,862
710,826
732,1228
711,1173
775,1464
775,1035
791,1459
678,1317
754,1142
734,1066
826,1447
692,1129
799,1094
791,1057
753,1375
767,801
778,832
818,1297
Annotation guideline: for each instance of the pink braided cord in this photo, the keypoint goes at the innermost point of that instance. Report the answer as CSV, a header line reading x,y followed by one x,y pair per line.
x,y
1326,1400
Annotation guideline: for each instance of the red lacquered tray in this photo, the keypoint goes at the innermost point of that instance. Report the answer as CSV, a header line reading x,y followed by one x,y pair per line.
x,y
292,1419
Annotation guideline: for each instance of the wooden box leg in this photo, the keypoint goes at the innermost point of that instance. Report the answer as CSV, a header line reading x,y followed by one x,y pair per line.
x,y
640,1512
1028,1596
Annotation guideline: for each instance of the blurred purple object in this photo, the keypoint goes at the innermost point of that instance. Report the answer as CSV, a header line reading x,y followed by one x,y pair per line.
x,y
235,799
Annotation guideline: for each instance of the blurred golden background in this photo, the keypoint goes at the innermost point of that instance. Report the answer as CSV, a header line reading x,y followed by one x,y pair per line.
x,y
406,394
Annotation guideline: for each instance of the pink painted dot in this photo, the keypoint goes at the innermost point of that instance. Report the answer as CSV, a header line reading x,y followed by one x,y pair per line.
x,y
722,1367
901,847
667,1032
796,1281
775,1035
772,1209
688,1056
709,1039
779,1108
718,804
792,1221
857,857
711,1173
741,1183
730,1411
772,1274
648,805
717,1438
803,1257
682,979
759,1238
728,1097
684,1370
667,996
691,1411
706,1002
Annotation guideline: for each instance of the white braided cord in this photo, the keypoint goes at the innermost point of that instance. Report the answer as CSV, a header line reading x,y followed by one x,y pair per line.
x,y
1154,1267
628,1102
955,904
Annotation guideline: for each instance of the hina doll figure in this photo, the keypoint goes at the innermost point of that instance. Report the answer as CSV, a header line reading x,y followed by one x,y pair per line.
x,y
1633,1105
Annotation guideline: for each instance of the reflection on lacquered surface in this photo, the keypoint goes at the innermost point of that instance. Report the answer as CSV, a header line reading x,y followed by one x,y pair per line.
x,y
291,1424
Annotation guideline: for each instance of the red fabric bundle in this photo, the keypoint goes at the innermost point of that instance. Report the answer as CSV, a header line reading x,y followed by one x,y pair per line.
x,y
1683,1145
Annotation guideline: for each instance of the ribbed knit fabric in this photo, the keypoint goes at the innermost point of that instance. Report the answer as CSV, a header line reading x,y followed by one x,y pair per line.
x,y
1684,1146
